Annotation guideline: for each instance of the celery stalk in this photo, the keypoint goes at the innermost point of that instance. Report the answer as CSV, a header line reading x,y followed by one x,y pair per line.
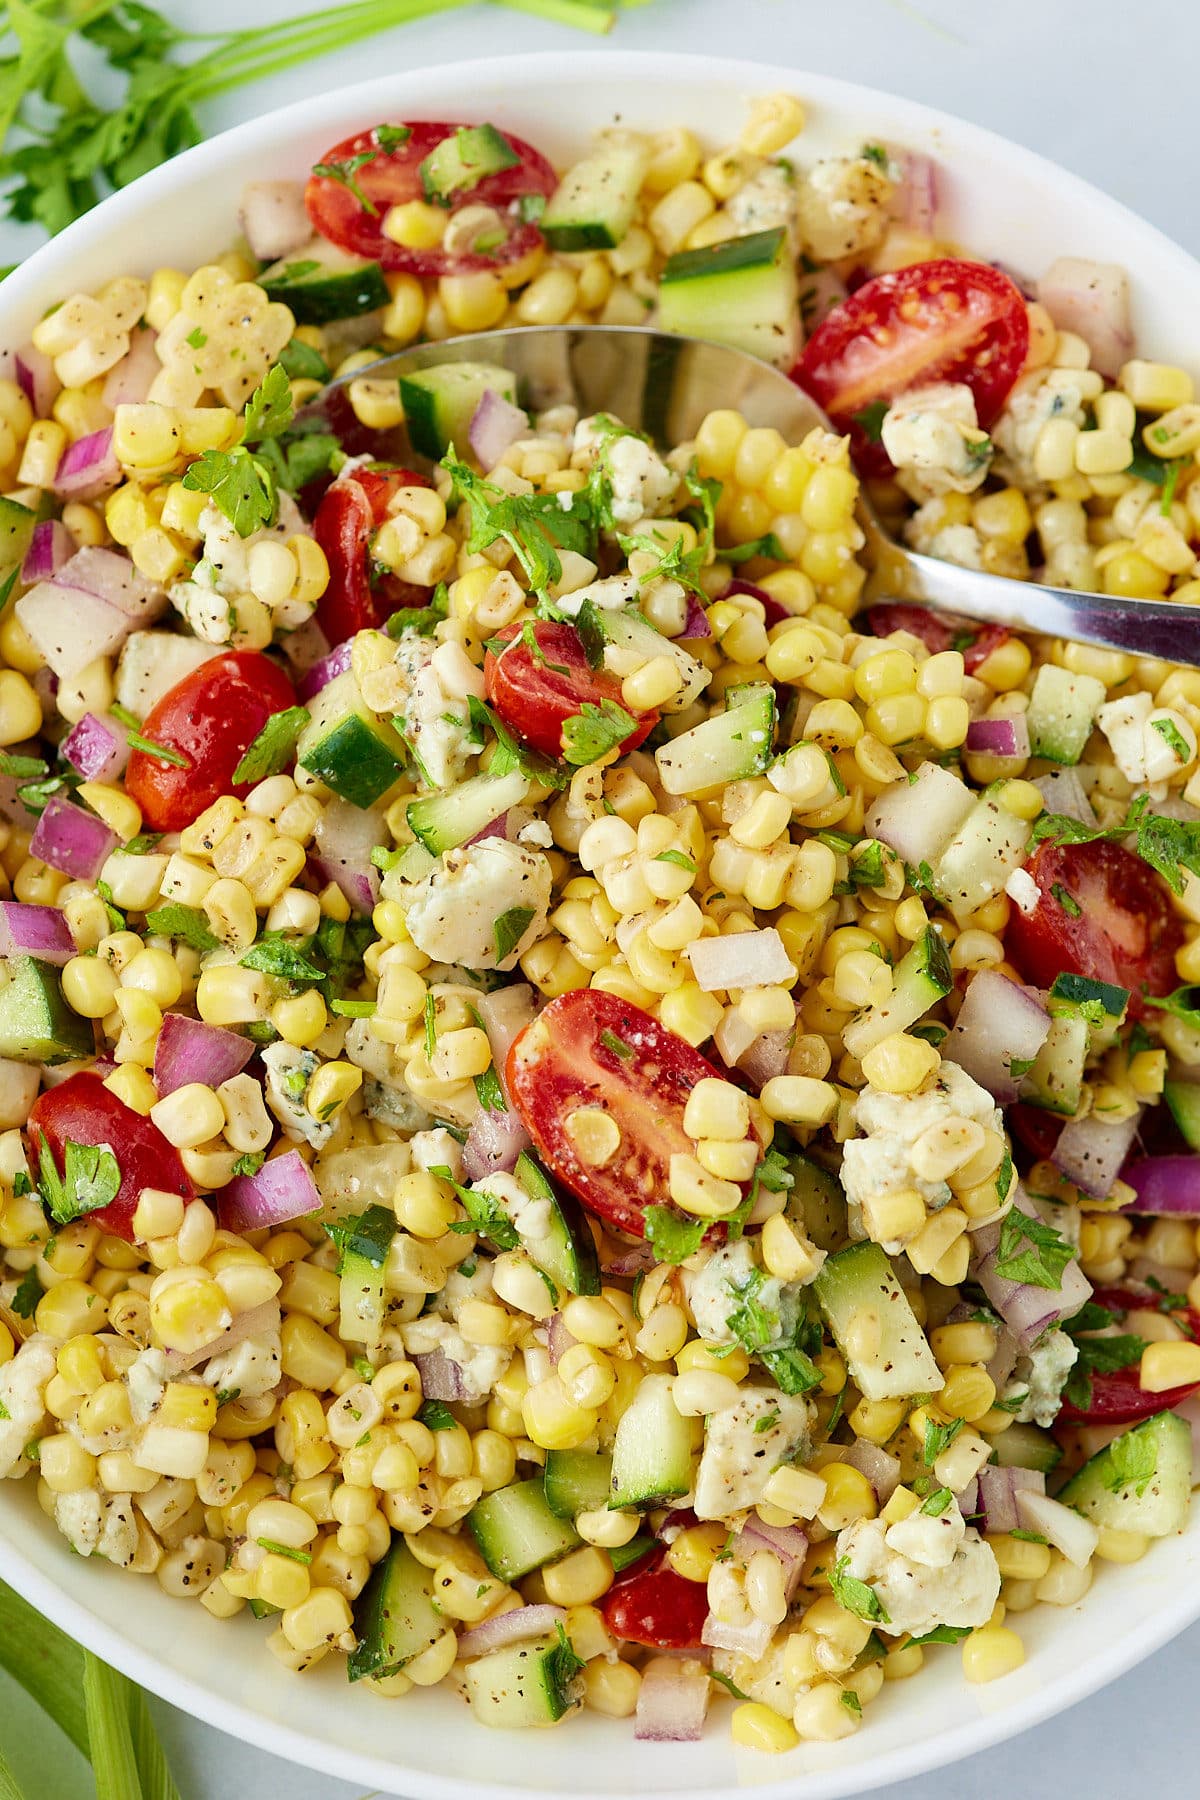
x,y
8,1782
157,1781
106,1695
45,1662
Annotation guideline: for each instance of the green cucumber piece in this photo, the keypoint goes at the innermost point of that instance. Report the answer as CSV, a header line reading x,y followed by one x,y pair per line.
x,y
440,403
1026,1447
623,1556
731,746
36,1024
1094,1001
1161,1508
523,1685
621,640
594,204
567,1252
322,283
443,821
460,162
923,977
517,1532
1183,1098
1062,711
1055,1080
355,753
653,1450
741,292
365,1242
16,532
394,1616
576,1481
860,1281
981,856
816,1202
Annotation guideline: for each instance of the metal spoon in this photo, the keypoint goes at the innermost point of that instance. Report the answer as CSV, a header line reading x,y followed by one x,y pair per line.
x,y
664,385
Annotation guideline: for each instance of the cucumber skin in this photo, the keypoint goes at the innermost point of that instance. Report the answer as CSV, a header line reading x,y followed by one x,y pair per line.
x,y
576,1481
1163,1508
377,1614
333,295
495,1518
36,1024
353,759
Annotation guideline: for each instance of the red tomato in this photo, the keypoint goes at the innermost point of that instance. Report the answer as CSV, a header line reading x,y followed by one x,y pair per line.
x,y
1117,1397
351,511
82,1108
946,320
537,695
591,1048
211,718
657,1607
1036,1127
939,631
1125,931
393,177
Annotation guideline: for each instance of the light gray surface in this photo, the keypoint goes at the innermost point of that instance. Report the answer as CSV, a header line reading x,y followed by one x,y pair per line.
x,y
1107,90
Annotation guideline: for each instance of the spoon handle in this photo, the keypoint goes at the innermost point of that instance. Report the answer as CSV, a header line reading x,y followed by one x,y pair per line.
x,y
1159,628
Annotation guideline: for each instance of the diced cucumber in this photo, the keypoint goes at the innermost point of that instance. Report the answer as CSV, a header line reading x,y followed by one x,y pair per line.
x,y
394,1616
741,292
652,1455
621,640
1162,1446
1055,1080
981,856
462,160
355,753
567,1252
1095,1001
440,403
1183,1098
923,977
1062,711
623,1556
16,533
262,1609
1025,1447
938,799
36,1024
441,821
730,746
857,1286
594,204
576,1481
321,283
523,1685
517,1532
365,1242
816,1202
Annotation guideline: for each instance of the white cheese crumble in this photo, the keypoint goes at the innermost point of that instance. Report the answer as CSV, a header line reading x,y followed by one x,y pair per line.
x,y
22,1394
642,484
1023,890
1039,1378
932,436
1149,743
453,913
1033,402
917,1585
289,1072
745,1444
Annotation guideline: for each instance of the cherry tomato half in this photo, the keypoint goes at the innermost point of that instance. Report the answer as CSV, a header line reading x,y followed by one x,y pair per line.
x,y
83,1110
537,694
656,1607
946,320
591,1048
1117,1397
1119,927
393,177
351,511
938,631
210,718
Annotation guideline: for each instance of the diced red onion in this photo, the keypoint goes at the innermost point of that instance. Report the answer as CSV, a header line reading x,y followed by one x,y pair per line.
x,y
672,1702
188,1050
1061,1526
999,737
257,1322
88,468
273,218
441,1378
741,959
788,1542
495,424
750,1638
968,1499
880,1469
1027,1310
914,198
695,623
1164,1185
495,828
510,1628
1004,1359
558,1339
334,663
917,819
820,292
41,931
1092,300
494,1142
636,1261
505,1013
773,612
998,1490
75,842
97,747
767,1057
49,548
1090,1151
69,626
112,577
344,839
998,1023
128,382
36,379
283,1189
1064,792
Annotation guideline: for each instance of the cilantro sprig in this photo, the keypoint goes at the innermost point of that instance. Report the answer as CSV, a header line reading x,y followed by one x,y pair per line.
x,y
240,484
1169,846
1031,1252
90,1179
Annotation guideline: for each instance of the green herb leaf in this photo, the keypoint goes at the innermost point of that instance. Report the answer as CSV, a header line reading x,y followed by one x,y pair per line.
x,y
535,526
594,731
850,1700
276,955
768,545
855,1596
1132,1462
271,751
29,1292
91,1178
269,409
617,1045
939,1438
137,741
22,768
345,173
300,362
871,420
562,1664
435,1415
1031,1252
1174,739
510,928
485,1214
274,1549
937,1503
489,1092
944,1634
728,1683
1067,901
249,1163
184,924
677,859
430,1018
1028,1537
239,485
672,1237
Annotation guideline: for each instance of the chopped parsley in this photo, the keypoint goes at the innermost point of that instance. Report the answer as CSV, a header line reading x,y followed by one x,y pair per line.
x,y
345,173
1170,846
850,1700
1031,1252
534,526
91,1179
677,859
767,1421
240,484
1174,739
673,1238
430,1016
617,1045
272,749
489,1092
939,1438
855,1596
250,1162
1067,901
1184,1003
1097,1355
435,1415
274,955
510,928
1132,1462
937,1503
485,1214
768,545
594,731
944,1634
870,420
728,1683
274,1549
561,1664
29,1292
1028,1537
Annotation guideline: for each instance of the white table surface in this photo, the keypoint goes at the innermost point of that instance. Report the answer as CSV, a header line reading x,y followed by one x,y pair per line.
x,y
1105,88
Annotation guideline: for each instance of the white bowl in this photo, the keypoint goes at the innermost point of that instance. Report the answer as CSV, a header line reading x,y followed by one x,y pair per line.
x,y
1002,202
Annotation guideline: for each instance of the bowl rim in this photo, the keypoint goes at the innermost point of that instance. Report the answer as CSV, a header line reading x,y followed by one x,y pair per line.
x,y
116,214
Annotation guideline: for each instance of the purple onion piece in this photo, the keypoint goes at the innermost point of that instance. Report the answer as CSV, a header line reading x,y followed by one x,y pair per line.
x,y
441,1379
672,1702
283,1189
49,548
494,1142
36,379
999,737
88,468
331,665
509,1628
188,1050
1090,1152
128,383
495,425
75,842
998,1024
39,931
97,747
344,839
